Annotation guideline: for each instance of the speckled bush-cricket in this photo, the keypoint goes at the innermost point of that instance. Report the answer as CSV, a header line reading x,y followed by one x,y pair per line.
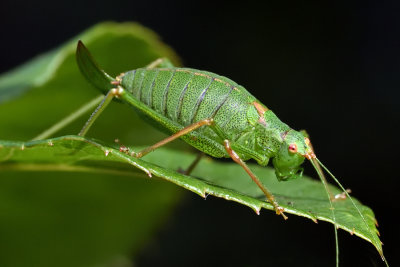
x,y
211,113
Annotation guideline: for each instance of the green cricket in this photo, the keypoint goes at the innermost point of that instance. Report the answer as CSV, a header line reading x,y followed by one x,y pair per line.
x,y
211,113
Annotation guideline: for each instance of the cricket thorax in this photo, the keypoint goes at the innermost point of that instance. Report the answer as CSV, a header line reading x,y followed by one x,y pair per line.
x,y
275,139
268,130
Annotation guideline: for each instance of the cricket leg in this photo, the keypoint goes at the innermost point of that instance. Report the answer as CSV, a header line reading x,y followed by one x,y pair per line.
x,y
279,210
70,118
189,170
162,62
115,92
173,137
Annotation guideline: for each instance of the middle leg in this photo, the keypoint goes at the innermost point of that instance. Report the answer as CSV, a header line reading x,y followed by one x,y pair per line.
x,y
173,137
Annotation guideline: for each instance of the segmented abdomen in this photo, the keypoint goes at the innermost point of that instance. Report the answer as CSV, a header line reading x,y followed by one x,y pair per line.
x,y
187,95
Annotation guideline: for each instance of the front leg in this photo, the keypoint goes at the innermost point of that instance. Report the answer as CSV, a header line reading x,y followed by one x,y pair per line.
x,y
278,209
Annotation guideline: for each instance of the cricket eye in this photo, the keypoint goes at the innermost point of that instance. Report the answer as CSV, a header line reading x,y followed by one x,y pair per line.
x,y
292,148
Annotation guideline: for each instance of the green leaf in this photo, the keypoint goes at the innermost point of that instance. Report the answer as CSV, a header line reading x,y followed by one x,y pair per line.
x,y
80,219
54,80
30,74
303,197
131,45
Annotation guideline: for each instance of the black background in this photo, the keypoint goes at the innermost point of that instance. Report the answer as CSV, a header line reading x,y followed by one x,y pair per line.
x,y
330,68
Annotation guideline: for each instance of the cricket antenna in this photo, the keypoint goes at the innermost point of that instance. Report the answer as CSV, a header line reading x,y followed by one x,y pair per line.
x,y
316,164
352,201
319,167
310,155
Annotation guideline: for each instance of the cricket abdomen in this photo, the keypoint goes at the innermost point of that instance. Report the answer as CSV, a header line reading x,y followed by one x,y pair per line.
x,y
186,96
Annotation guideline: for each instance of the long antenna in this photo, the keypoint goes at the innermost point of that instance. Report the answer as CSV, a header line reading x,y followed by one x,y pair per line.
x,y
311,156
316,166
352,201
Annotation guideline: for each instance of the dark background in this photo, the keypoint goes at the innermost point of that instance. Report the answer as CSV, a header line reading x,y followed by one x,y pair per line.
x,y
330,68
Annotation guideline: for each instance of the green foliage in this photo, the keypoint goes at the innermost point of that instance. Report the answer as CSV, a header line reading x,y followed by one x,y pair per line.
x,y
303,197
72,201
52,218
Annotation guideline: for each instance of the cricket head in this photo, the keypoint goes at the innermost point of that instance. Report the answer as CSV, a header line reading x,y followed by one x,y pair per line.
x,y
294,149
